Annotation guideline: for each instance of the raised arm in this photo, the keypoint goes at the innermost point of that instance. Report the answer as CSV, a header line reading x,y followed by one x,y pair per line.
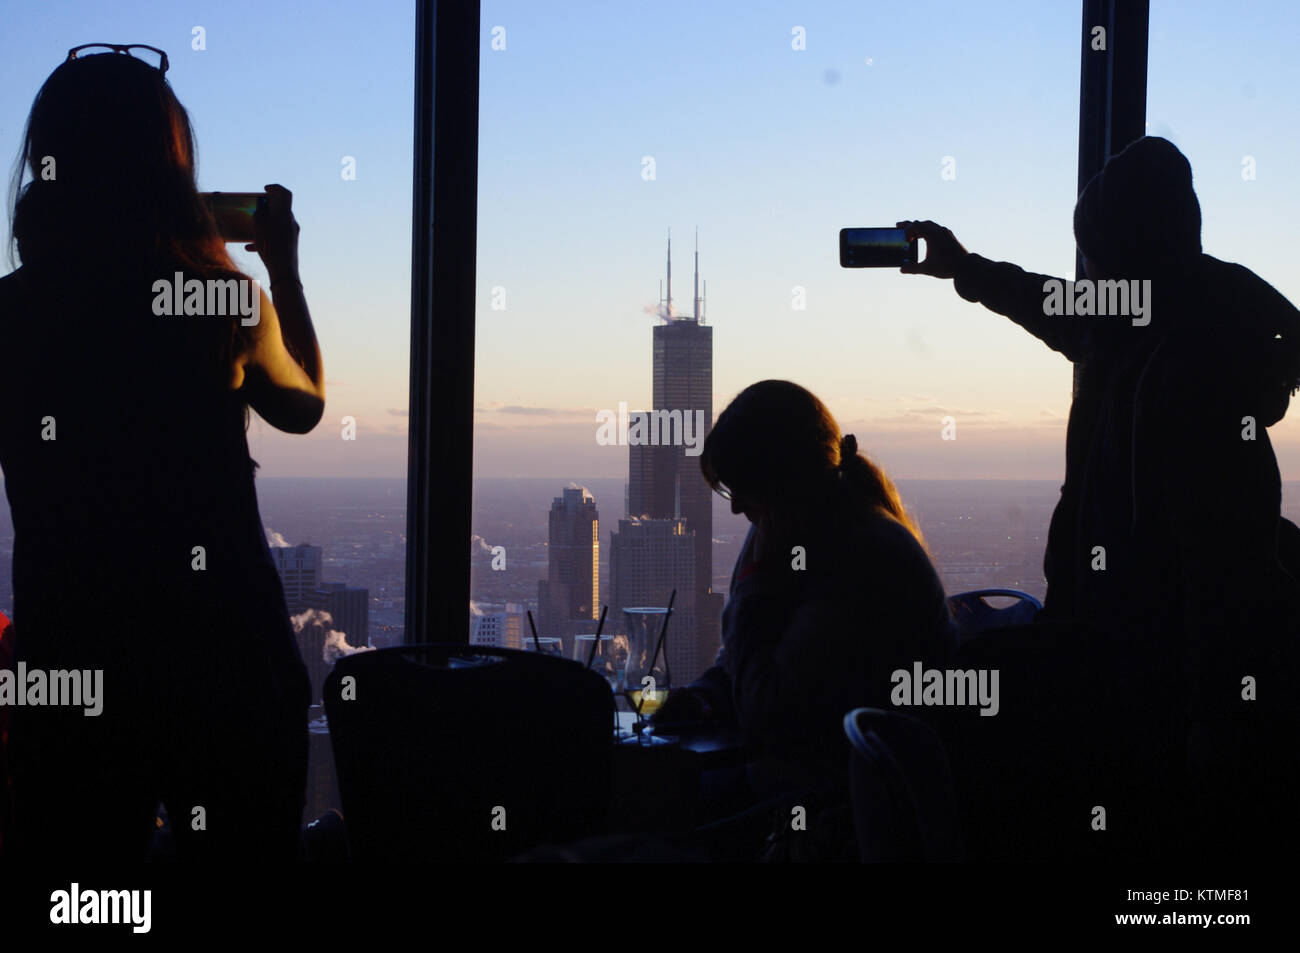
x,y
283,375
1000,286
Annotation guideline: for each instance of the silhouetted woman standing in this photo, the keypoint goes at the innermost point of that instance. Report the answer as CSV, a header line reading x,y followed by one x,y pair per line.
x,y
138,548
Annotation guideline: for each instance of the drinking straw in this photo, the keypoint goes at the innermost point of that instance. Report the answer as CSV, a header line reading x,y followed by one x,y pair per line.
x,y
662,632
591,656
537,643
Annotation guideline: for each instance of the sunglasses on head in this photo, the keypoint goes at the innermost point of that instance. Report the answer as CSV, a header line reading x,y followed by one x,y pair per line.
x,y
158,62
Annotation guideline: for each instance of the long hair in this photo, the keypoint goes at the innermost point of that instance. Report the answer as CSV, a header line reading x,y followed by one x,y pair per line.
x,y
777,443
105,183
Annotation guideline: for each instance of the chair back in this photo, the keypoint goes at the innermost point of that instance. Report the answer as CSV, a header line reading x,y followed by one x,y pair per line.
x,y
973,614
904,804
467,753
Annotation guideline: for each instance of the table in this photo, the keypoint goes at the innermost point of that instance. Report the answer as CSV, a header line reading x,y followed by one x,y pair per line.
x,y
657,787
709,747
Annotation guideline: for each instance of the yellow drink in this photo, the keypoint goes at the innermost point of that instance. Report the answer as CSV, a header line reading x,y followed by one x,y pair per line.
x,y
652,699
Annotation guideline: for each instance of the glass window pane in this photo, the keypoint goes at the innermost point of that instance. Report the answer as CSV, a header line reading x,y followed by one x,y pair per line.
x,y
769,129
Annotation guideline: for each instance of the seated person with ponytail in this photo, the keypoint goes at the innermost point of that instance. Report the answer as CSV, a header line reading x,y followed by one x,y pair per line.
x,y
832,593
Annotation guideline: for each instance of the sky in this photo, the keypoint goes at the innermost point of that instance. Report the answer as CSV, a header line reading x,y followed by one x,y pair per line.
x,y
768,150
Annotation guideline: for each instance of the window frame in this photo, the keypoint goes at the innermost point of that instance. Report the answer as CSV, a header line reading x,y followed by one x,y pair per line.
x,y
444,249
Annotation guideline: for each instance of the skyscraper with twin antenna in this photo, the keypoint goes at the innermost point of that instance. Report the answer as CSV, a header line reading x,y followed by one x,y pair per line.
x,y
664,479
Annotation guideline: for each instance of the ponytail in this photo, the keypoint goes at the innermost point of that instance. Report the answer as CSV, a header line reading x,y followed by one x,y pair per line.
x,y
868,487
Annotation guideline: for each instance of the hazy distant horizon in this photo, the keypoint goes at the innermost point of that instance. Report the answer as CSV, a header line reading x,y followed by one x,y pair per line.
x,y
980,533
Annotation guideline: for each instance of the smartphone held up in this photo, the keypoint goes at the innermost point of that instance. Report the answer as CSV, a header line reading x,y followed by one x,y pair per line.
x,y
875,248
234,213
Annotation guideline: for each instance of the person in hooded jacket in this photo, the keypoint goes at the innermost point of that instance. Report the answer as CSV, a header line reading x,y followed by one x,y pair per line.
x,y
1168,536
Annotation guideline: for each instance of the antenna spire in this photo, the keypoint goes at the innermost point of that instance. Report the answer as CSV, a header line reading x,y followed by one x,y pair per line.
x,y
697,274
670,273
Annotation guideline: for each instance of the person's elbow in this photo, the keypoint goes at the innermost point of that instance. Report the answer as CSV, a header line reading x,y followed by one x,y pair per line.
x,y
304,415
292,409
300,412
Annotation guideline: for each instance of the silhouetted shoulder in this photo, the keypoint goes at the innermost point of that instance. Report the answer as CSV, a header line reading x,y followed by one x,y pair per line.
x,y
1245,337
1248,289
12,287
879,535
1233,269
888,578
878,559
15,307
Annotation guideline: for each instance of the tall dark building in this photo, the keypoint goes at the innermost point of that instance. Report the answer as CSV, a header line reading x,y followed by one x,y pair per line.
x,y
316,608
664,480
350,608
569,596
645,494
648,559
683,380
300,571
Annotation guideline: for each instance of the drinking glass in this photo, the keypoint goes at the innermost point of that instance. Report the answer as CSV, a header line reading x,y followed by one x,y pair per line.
x,y
647,682
550,645
609,662
605,662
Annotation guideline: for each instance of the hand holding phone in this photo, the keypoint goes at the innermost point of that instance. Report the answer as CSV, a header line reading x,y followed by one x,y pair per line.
x,y
275,236
942,250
